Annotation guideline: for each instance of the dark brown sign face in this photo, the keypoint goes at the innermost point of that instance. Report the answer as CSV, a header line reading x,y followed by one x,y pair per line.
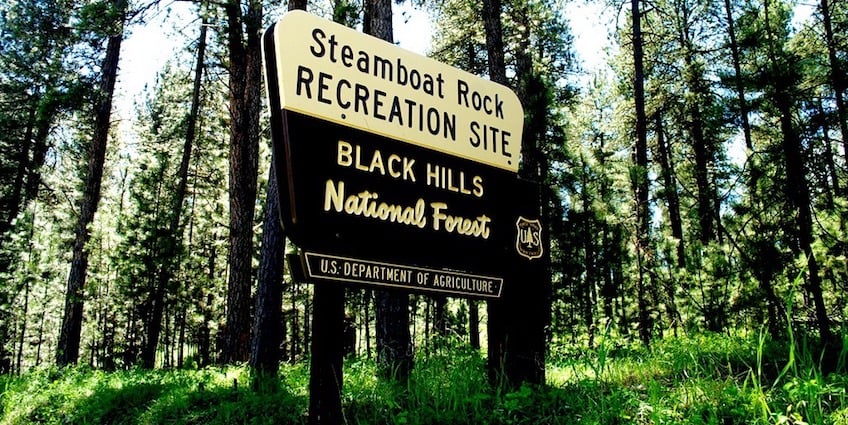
x,y
357,198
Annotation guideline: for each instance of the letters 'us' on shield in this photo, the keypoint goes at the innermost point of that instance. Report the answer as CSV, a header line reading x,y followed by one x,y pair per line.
x,y
395,170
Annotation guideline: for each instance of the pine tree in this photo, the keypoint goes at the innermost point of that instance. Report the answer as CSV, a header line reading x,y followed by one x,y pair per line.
x,y
265,351
37,87
244,25
69,338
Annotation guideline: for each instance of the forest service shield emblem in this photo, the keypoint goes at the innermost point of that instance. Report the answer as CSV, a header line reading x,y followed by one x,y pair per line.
x,y
528,240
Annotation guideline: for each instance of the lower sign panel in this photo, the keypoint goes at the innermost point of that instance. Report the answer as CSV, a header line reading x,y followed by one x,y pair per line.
x,y
357,271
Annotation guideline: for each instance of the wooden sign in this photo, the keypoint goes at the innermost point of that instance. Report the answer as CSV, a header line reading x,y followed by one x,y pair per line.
x,y
395,170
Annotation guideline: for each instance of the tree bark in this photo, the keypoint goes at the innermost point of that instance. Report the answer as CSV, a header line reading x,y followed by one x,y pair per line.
x,y
494,40
22,335
837,75
701,145
737,77
673,203
798,193
703,161
671,195
474,324
14,201
244,41
640,175
440,324
394,344
828,155
797,189
67,351
265,347
589,257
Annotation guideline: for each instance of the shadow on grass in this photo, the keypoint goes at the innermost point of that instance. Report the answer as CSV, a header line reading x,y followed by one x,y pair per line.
x,y
157,397
222,405
109,405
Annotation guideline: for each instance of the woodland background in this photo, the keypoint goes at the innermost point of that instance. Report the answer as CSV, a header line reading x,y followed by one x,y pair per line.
x,y
698,183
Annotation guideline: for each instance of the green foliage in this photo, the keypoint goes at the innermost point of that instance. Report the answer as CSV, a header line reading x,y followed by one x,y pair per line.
x,y
448,387
698,379
702,379
207,396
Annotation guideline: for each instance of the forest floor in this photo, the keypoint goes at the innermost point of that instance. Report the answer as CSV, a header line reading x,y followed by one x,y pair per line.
x,y
696,379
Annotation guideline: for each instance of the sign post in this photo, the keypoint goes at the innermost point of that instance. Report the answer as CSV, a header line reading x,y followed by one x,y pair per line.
x,y
395,171
326,356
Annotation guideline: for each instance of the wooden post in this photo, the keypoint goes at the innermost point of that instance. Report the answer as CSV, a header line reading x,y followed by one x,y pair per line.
x,y
516,324
325,374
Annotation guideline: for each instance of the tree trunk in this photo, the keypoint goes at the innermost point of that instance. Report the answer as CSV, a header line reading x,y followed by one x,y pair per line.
x,y
737,77
517,347
307,327
589,257
494,41
694,123
45,300
440,323
173,236
671,195
798,193
394,345
265,351
703,161
640,183
181,316
797,189
673,203
837,75
67,351
31,155
610,259
474,324
828,154
14,200
205,334
24,313
245,104
295,326
369,299
39,152
608,290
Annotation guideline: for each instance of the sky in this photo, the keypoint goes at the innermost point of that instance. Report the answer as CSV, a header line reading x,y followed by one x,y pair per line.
x,y
148,47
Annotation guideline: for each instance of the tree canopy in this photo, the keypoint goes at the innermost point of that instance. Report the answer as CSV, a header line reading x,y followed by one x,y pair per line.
x,y
696,182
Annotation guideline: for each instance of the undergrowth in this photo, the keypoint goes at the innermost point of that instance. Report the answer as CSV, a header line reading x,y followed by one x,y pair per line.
x,y
696,379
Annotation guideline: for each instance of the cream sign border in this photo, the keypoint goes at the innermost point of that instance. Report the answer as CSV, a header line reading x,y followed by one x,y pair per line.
x,y
340,75
429,286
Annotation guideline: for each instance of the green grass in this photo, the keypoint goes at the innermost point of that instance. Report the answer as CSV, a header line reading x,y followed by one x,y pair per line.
x,y
698,379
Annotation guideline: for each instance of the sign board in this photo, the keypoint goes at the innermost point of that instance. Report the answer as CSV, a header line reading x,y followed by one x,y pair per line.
x,y
369,189
327,70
